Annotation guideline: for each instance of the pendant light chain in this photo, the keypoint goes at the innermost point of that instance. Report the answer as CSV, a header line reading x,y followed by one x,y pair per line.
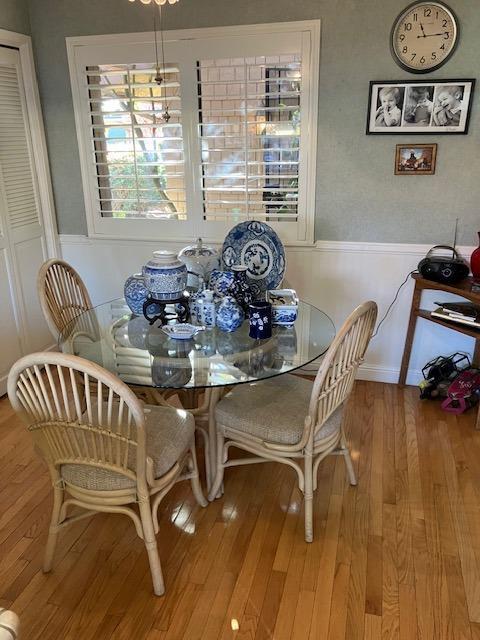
x,y
166,114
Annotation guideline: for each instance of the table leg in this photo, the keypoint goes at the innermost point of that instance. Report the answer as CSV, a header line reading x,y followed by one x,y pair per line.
x,y
215,396
417,294
476,354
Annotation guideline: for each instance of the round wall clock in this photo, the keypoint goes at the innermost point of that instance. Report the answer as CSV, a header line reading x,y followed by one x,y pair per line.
x,y
424,36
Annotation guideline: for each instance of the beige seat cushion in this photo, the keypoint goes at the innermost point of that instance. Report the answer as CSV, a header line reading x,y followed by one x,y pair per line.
x,y
273,410
170,433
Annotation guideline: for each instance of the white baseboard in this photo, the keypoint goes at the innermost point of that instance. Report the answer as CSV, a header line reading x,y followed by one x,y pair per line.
x,y
333,276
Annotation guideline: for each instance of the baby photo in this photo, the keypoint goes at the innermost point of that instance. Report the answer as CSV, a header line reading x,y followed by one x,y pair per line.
x,y
410,106
447,109
389,106
418,106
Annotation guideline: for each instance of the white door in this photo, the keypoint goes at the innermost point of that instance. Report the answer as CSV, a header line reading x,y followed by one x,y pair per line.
x,y
22,239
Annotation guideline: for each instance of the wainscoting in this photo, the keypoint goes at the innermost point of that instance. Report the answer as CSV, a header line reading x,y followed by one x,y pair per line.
x,y
334,276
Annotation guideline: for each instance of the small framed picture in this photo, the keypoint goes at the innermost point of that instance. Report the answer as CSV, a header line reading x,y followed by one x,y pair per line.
x,y
430,107
415,159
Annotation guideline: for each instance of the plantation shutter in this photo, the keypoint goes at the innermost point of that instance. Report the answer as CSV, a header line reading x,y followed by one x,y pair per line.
x,y
249,112
138,157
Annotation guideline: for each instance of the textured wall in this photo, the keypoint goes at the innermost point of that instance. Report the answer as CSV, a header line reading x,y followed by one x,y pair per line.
x,y
14,16
358,197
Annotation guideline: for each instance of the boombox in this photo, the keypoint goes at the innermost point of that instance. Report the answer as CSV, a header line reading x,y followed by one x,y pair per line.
x,y
448,269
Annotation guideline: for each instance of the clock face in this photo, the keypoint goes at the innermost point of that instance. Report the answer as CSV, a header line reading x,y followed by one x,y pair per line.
x,y
424,36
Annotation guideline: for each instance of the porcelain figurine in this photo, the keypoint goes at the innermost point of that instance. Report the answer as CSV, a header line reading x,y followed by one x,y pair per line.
x,y
165,276
135,293
200,260
229,314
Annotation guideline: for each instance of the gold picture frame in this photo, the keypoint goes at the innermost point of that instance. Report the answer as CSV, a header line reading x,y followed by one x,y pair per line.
x,y
415,159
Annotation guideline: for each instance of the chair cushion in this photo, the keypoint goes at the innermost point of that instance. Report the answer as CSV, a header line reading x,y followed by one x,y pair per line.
x,y
169,432
273,410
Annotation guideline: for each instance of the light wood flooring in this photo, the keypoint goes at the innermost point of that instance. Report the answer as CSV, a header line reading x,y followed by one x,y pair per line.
x,y
398,556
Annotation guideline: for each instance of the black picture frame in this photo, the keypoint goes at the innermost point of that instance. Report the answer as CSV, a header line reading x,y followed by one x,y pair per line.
x,y
432,117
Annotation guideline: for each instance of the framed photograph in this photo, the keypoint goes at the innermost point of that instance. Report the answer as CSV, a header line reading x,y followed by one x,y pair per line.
x,y
415,159
430,107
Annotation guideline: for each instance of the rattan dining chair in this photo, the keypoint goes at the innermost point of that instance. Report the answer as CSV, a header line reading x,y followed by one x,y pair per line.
x,y
291,420
63,295
104,455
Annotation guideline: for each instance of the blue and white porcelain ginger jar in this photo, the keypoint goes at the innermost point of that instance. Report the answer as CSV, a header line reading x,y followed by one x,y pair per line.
x,y
165,276
221,282
229,314
135,293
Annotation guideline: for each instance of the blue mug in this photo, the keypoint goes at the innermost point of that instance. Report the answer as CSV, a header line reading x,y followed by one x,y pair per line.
x,y
260,313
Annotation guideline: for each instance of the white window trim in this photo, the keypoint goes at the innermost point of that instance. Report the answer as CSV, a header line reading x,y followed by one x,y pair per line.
x,y
310,34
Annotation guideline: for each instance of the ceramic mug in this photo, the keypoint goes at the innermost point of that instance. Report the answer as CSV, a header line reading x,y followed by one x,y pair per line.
x,y
260,313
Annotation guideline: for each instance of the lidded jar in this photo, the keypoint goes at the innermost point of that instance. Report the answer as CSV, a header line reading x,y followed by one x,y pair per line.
x,y
200,259
165,276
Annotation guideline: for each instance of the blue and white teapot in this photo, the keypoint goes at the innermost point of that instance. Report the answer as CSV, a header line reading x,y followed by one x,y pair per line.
x,y
165,276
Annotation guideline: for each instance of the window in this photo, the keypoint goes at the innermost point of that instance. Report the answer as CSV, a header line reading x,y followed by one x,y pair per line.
x,y
240,143
249,110
139,164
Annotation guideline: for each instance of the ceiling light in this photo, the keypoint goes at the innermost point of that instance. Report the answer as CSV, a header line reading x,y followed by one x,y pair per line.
x,y
159,2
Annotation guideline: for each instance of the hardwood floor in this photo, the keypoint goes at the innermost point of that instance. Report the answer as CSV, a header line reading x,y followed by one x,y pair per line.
x,y
398,556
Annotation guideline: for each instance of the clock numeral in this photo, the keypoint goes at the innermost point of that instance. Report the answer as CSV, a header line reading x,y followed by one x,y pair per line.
x,y
405,50
443,46
436,16
427,13
444,24
422,60
414,55
408,26
434,55
446,35
415,17
402,37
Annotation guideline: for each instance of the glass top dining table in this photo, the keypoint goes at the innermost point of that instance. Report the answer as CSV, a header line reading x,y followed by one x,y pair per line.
x,y
142,354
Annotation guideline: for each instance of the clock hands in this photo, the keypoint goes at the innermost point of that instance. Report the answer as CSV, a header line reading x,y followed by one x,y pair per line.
x,y
429,35
423,31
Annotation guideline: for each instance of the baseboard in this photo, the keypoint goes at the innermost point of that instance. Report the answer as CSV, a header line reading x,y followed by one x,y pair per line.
x,y
373,373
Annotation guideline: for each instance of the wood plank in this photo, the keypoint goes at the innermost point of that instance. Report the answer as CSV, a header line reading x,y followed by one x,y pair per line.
x,y
397,557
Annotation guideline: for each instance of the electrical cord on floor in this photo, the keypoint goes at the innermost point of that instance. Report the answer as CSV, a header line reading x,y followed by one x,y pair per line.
x,y
392,303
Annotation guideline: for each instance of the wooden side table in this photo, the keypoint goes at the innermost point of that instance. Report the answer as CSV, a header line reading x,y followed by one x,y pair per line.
x,y
463,289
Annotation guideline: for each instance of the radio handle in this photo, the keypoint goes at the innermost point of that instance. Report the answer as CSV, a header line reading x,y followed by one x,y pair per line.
x,y
455,253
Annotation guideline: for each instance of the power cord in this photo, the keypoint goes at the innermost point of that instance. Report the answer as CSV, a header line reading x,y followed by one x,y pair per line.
x,y
393,302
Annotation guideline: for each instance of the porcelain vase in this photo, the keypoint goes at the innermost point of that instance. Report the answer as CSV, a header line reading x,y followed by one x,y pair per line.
x,y
229,314
135,293
475,262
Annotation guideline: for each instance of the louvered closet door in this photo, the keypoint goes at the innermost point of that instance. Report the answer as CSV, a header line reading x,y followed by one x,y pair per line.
x,y
22,243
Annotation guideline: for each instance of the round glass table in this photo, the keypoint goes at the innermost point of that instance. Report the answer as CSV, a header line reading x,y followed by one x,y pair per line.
x,y
142,355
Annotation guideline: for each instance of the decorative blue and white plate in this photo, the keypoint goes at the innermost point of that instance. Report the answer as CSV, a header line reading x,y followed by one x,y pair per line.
x,y
182,331
258,247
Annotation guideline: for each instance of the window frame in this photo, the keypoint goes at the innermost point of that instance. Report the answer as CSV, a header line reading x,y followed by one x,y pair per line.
x,y
184,47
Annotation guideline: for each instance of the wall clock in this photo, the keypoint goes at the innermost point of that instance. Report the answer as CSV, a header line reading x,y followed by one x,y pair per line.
x,y
424,36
